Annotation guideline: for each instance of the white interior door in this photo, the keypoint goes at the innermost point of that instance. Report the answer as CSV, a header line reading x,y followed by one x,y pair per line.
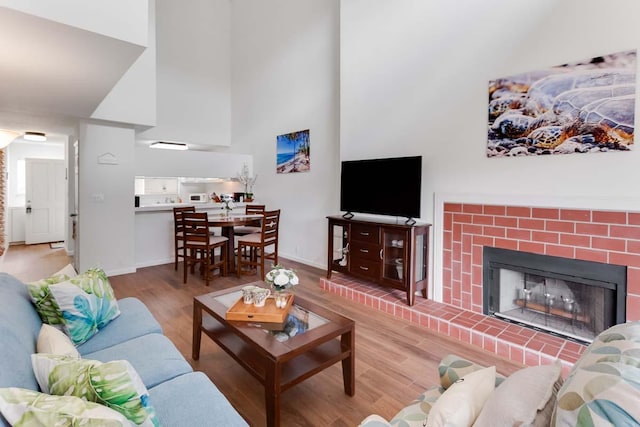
x,y
45,188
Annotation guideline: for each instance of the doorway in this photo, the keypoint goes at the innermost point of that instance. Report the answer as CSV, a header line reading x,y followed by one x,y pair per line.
x,y
47,181
45,200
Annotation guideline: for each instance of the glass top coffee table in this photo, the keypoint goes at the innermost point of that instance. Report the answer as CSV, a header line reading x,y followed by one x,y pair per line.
x,y
311,339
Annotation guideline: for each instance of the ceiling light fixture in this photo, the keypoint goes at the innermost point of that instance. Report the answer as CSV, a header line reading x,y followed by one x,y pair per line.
x,y
169,145
7,136
35,136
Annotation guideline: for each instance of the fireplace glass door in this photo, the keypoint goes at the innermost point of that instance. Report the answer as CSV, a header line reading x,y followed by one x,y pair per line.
x,y
570,298
568,308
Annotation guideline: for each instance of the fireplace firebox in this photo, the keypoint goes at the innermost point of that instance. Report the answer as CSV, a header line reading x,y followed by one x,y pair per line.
x,y
575,299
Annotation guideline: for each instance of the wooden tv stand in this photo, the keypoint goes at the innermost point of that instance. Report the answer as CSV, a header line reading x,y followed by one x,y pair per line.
x,y
389,253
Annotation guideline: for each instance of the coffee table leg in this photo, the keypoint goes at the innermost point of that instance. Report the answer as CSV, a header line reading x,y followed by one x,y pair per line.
x,y
348,340
197,334
272,394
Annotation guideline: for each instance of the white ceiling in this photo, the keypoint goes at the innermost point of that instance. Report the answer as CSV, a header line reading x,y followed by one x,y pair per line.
x,y
51,74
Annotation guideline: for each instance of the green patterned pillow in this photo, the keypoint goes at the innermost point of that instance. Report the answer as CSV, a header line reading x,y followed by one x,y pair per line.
x,y
87,304
41,296
114,384
603,388
22,407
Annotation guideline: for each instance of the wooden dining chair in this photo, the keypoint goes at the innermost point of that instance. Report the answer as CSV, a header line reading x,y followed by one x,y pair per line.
x,y
178,235
243,230
256,245
200,246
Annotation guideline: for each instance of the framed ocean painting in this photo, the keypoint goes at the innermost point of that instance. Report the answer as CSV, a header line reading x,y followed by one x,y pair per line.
x,y
582,107
293,153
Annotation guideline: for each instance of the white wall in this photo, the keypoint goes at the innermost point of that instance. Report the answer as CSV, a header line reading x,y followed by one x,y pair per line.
x,y
193,72
284,61
133,98
414,81
106,211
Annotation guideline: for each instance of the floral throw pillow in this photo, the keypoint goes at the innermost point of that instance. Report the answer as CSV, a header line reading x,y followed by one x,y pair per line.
x,y
41,297
22,407
603,388
87,304
114,384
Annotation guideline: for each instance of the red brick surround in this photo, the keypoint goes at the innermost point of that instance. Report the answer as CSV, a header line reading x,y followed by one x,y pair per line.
x,y
593,235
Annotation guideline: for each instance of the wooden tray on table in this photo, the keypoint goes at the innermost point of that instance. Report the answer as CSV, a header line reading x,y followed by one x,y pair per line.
x,y
269,313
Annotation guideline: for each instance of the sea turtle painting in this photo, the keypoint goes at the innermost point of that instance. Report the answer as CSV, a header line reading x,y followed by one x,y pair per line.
x,y
583,107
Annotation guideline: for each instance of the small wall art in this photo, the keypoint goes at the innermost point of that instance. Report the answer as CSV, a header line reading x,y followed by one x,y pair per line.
x,y
293,153
581,107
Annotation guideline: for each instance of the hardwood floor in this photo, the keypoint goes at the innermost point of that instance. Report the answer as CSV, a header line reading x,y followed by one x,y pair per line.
x,y
395,360
33,262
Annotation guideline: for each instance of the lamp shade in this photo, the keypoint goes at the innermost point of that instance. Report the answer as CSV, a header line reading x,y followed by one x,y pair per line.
x,y
6,136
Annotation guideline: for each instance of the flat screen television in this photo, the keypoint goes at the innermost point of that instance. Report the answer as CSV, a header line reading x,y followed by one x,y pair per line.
x,y
390,186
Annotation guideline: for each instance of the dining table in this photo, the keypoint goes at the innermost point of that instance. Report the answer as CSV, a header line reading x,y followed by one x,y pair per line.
x,y
227,224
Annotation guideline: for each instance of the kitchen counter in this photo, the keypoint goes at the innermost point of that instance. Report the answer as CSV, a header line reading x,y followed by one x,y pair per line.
x,y
199,206
154,230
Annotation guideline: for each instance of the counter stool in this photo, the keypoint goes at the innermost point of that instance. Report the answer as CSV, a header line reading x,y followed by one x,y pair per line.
x,y
178,235
200,246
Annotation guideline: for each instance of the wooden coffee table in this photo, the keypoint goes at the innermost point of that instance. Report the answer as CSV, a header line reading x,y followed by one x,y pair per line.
x,y
279,357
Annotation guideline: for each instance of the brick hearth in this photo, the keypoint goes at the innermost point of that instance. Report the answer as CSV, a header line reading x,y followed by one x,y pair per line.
x,y
510,341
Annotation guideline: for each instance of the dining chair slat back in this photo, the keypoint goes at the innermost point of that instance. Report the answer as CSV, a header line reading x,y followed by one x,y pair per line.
x,y
178,226
200,246
243,230
257,245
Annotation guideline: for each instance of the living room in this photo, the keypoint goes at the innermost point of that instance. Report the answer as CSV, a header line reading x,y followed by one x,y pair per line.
x,y
369,79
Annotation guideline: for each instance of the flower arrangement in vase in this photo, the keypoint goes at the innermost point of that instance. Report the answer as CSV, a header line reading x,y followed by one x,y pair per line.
x,y
248,181
227,205
282,281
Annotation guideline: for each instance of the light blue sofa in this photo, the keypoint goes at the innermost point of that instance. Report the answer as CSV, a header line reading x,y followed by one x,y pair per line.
x,y
180,396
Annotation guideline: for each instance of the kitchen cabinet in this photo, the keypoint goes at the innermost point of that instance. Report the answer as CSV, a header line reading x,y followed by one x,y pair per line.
x,y
387,253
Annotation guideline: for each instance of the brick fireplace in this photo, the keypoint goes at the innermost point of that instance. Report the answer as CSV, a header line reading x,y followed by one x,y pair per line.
x,y
593,235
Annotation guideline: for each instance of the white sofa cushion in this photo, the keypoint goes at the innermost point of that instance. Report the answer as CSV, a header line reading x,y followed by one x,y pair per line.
x,y
54,341
519,398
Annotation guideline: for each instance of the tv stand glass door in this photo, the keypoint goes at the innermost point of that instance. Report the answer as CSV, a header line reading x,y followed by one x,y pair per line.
x,y
339,242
